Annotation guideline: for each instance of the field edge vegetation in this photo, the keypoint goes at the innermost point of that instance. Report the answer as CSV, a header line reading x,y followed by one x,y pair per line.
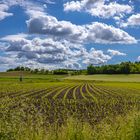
x,y
120,128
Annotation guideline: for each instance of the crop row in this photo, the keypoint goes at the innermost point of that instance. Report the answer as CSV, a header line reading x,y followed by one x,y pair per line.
x,y
55,103
86,91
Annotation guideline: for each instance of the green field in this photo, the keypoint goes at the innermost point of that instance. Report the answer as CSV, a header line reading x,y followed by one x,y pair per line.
x,y
52,107
103,77
28,77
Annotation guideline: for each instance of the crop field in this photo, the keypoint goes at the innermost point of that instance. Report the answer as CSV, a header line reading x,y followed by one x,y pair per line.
x,y
69,110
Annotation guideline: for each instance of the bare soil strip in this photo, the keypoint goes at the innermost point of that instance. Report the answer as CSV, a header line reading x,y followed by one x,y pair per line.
x,y
51,94
62,91
69,94
78,93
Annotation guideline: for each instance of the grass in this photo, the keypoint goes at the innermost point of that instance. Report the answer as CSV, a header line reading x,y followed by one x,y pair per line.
x,y
112,78
29,77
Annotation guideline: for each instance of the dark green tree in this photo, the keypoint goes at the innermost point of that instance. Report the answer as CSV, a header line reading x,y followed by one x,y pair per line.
x,y
91,69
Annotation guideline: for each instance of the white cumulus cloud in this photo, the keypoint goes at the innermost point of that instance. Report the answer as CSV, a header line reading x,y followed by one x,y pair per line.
x,y
98,8
133,20
115,53
94,33
111,10
138,58
96,57
34,51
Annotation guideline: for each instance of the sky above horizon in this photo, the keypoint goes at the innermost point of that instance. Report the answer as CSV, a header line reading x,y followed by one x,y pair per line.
x,y
71,34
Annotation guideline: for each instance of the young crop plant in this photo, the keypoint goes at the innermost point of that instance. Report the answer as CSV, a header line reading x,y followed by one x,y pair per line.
x,y
44,109
60,91
71,89
52,91
75,91
90,94
82,93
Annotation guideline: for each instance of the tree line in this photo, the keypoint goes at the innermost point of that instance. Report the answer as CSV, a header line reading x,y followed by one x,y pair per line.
x,y
122,68
45,71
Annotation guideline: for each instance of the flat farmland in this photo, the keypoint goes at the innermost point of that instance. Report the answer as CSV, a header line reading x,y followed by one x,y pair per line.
x,y
104,77
68,109
28,77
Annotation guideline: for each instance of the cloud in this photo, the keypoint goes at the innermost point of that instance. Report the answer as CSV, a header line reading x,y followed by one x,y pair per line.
x,y
98,8
133,20
30,7
115,53
4,11
4,60
103,33
2,47
34,51
43,24
41,51
71,65
90,33
34,13
46,1
81,5
138,58
51,26
73,6
111,10
96,57
14,37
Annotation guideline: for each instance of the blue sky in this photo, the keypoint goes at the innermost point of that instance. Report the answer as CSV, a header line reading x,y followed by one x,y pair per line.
x,y
68,33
